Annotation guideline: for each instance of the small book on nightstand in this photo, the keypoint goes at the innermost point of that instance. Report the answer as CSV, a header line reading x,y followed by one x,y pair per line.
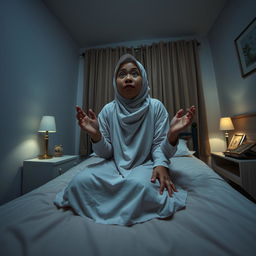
x,y
244,151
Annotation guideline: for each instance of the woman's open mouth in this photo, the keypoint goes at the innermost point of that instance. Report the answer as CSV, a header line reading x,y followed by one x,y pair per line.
x,y
128,86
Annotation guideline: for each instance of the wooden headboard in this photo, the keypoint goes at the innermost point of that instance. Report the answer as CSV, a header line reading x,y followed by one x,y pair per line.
x,y
192,135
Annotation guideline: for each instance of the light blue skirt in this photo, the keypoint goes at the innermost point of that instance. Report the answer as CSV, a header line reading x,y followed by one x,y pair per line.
x,y
102,194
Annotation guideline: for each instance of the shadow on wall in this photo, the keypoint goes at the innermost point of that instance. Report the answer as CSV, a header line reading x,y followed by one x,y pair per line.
x,y
11,191
11,170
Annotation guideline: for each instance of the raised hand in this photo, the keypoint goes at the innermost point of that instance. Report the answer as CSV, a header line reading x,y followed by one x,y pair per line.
x,y
89,123
180,122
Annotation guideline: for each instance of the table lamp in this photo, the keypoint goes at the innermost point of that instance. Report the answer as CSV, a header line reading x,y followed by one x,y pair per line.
x,y
226,125
47,125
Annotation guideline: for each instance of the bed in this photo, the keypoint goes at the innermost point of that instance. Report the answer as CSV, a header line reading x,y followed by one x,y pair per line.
x,y
217,220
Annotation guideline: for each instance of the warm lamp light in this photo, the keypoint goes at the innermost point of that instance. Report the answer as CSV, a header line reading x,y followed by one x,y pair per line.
x,y
226,125
47,125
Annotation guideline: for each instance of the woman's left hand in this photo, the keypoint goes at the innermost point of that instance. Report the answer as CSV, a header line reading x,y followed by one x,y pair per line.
x,y
180,122
161,173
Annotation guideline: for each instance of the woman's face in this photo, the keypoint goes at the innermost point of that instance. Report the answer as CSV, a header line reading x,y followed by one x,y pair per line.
x,y
129,80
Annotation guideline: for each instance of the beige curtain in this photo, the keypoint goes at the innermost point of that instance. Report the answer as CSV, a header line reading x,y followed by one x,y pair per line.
x,y
174,76
175,79
98,89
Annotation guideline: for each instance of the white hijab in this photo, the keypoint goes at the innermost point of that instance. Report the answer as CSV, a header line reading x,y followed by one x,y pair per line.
x,y
131,110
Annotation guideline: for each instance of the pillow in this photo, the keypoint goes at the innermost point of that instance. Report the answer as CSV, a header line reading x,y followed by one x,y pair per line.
x,y
182,149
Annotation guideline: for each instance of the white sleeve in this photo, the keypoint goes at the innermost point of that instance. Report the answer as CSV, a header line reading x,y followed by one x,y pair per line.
x,y
103,148
162,150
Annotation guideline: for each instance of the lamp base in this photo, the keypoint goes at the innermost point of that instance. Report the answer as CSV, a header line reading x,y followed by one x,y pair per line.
x,y
45,156
226,136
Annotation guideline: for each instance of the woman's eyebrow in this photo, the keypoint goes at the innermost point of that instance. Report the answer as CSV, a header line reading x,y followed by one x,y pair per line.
x,y
124,69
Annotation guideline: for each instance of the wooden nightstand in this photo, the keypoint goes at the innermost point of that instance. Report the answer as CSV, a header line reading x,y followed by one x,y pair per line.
x,y
239,171
37,172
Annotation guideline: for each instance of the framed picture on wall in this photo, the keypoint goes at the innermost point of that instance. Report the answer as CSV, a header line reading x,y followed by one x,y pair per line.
x,y
246,48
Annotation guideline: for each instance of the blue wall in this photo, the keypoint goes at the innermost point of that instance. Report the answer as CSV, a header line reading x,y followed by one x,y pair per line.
x,y
236,94
38,72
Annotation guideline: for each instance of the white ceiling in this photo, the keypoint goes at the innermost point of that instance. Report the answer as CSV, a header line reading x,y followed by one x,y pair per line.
x,y
99,22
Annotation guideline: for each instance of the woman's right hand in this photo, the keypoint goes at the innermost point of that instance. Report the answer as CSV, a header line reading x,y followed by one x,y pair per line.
x,y
89,123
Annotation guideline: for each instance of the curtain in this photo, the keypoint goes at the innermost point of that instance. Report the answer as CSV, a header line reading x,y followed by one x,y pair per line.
x,y
173,70
175,79
98,89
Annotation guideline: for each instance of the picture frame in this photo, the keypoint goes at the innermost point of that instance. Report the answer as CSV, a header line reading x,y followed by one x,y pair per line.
x,y
236,141
246,49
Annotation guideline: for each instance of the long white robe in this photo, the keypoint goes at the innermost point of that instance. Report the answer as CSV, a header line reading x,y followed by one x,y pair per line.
x,y
119,190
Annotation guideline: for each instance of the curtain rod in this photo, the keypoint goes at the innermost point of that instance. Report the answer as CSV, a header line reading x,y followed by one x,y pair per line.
x,y
135,48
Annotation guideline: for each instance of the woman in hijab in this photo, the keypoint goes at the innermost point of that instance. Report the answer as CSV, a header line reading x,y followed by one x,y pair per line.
x,y
133,137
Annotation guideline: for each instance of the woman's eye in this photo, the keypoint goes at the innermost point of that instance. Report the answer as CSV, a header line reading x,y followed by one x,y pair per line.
x,y
135,73
121,75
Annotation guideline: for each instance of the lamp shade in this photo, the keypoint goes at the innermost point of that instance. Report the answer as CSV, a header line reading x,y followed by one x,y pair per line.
x,y
226,124
47,124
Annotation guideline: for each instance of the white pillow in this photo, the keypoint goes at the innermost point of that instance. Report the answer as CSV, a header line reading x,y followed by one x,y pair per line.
x,y
182,149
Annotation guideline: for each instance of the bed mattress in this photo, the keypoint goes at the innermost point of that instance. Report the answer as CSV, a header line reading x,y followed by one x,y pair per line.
x,y
217,220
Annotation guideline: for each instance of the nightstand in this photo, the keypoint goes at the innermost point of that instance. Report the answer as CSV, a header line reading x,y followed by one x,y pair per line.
x,y
37,172
240,171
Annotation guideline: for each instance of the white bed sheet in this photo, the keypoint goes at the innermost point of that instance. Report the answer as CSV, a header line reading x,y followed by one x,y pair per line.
x,y
216,221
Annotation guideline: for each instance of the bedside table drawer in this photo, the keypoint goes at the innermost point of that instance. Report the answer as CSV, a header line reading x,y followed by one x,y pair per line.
x,y
240,171
37,172
61,168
